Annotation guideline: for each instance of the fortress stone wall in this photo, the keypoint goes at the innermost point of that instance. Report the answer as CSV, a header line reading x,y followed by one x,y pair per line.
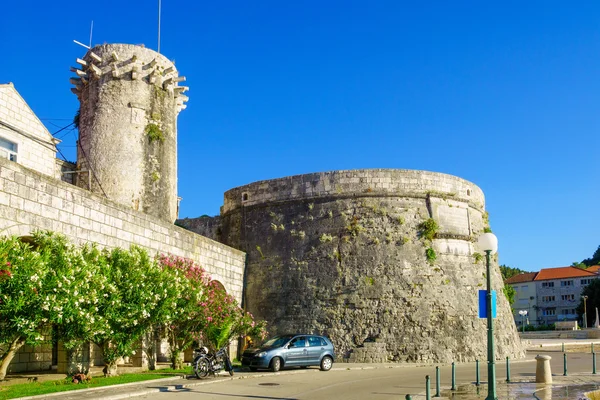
x,y
342,253
30,200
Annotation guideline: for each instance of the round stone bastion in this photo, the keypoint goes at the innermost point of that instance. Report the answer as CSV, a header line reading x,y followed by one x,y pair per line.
x,y
382,261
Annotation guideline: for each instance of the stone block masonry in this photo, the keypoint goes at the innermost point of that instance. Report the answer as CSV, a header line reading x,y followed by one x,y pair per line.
x,y
30,200
344,254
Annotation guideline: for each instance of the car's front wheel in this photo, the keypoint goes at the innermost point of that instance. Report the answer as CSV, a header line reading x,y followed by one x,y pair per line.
x,y
276,364
326,363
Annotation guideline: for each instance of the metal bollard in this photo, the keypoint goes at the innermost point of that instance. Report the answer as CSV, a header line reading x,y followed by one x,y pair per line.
x,y
565,364
453,376
594,363
427,390
408,397
507,369
437,382
477,372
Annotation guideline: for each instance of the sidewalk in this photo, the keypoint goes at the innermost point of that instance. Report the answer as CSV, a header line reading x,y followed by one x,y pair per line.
x,y
522,386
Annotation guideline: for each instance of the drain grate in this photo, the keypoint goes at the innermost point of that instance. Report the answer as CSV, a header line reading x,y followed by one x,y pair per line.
x,y
268,384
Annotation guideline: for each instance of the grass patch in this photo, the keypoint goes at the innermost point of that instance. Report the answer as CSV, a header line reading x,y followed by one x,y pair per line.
x,y
37,388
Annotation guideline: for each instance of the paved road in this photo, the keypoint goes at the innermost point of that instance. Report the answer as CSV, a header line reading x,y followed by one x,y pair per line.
x,y
382,383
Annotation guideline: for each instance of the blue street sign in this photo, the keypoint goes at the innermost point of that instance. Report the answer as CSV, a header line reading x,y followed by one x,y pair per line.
x,y
483,304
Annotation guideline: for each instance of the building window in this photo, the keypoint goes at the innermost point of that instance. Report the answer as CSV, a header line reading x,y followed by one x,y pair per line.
x,y
550,311
8,149
570,311
586,281
547,284
568,297
566,283
548,298
525,287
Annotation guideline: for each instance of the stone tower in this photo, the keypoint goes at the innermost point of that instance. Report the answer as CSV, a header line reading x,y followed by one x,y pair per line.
x,y
381,261
127,150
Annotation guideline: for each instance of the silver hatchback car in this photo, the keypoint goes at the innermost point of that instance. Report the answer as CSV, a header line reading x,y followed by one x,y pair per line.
x,y
291,351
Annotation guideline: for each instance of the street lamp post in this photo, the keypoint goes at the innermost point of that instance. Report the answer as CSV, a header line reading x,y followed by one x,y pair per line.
x,y
584,311
523,313
488,242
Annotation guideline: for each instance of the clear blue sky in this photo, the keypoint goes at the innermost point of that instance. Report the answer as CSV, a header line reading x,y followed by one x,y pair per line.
x,y
505,95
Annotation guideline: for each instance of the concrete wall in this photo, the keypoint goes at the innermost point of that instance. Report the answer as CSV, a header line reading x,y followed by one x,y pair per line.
x,y
18,124
30,200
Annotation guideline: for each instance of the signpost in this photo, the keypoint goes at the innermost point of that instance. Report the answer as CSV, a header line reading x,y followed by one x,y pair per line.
x,y
483,304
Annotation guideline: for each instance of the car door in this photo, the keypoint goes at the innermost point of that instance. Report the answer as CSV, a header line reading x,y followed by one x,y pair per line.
x,y
297,351
316,347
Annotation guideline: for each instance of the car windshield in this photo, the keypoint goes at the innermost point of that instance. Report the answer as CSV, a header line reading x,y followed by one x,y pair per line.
x,y
277,341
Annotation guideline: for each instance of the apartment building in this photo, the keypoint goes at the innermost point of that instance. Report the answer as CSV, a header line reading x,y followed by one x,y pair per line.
x,y
550,295
525,298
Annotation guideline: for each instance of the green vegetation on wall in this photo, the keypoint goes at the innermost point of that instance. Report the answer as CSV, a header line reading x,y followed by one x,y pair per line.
x,y
428,229
431,255
154,133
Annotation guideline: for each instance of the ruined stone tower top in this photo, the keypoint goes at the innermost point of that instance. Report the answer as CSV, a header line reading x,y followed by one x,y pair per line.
x,y
127,150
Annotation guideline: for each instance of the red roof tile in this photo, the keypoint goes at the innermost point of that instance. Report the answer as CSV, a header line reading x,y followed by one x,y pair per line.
x,y
594,268
561,273
526,277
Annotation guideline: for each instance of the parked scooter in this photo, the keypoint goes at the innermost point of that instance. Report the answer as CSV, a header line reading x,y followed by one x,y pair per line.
x,y
206,362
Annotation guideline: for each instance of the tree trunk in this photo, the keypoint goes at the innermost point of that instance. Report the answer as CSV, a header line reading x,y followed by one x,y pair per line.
x,y
176,362
174,350
110,363
10,354
110,368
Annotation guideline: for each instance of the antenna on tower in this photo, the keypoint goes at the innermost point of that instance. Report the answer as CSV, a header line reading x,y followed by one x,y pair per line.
x,y
159,1
91,30
83,45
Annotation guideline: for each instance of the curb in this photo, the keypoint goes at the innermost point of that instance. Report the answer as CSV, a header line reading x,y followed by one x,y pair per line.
x,y
217,379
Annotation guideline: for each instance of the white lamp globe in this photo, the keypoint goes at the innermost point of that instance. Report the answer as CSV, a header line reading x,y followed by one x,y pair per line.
x,y
488,242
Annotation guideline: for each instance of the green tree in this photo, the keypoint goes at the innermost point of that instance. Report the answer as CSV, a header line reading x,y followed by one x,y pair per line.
x,y
184,323
592,291
580,265
225,320
136,296
23,284
595,260
509,292
77,285
508,272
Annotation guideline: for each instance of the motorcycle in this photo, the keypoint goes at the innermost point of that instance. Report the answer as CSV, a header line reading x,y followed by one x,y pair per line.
x,y
206,362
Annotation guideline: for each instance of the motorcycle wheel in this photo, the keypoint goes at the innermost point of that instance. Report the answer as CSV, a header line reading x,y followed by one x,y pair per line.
x,y
202,368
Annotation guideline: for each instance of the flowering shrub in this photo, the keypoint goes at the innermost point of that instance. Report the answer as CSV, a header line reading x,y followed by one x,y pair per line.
x,y
111,298
224,319
23,283
182,324
138,294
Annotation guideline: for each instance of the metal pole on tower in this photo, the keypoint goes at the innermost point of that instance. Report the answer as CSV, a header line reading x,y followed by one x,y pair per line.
x,y
159,6
91,30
